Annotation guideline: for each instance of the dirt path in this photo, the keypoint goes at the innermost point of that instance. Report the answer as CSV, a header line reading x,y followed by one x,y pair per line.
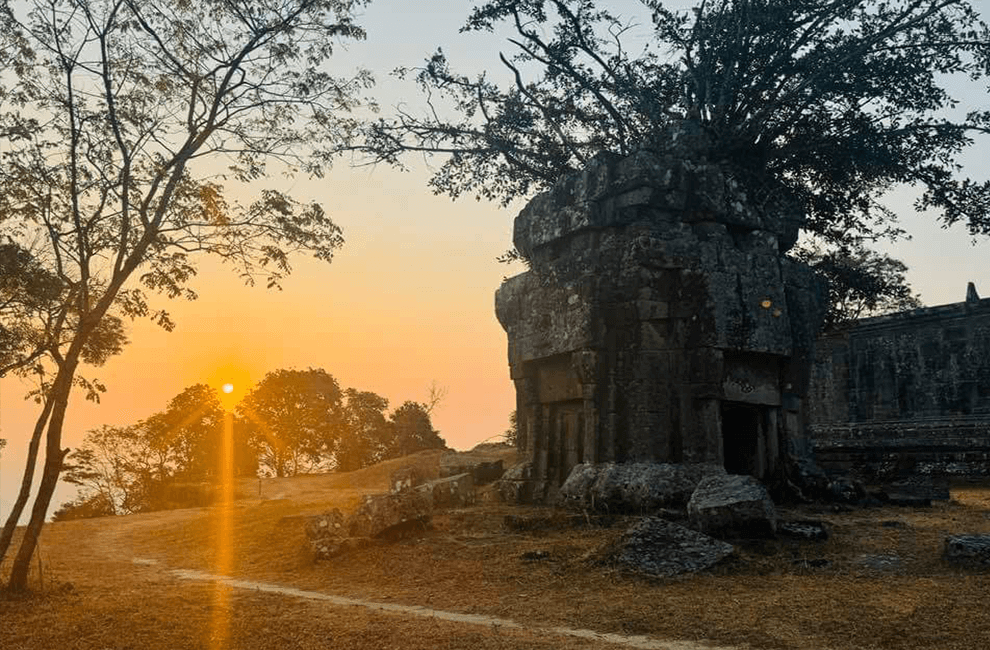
x,y
643,642
109,551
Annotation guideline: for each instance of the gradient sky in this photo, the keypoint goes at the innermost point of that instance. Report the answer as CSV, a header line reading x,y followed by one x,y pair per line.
x,y
410,297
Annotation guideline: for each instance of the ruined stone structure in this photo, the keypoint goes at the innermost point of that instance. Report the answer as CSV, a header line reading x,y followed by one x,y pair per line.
x,y
905,393
659,320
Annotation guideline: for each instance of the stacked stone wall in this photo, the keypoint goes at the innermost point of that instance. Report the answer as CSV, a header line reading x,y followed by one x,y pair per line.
x,y
905,393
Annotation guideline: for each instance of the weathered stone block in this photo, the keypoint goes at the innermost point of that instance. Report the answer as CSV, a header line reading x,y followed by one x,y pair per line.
x,y
968,549
633,487
451,491
732,505
657,547
404,478
382,513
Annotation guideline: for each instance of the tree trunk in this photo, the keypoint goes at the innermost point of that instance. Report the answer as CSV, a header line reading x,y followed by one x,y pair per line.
x,y
54,454
22,497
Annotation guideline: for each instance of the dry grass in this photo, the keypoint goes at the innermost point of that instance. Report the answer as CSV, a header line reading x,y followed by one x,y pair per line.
x,y
771,594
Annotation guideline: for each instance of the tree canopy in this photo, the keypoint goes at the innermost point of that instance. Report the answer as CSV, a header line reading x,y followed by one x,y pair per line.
x,y
121,121
826,103
295,419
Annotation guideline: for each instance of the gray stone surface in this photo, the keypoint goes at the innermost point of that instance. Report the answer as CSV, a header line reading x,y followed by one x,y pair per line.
x,y
660,320
811,531
516,484
381,513
732,505
404,478
451,491
968,549
633,487
905,394
657,547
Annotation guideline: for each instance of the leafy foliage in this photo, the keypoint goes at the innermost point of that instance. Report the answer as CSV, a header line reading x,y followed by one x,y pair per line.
x,y
412,431
295,419
823,104
114,116
861,283
366,434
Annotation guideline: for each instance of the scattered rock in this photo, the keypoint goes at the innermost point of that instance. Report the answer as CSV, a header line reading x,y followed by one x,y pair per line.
x,y
968,549
916,491
380,513
452,491
404,478
657,547
814,563
846,490
516,484
732,505
880,561
535,556
633,487
809,530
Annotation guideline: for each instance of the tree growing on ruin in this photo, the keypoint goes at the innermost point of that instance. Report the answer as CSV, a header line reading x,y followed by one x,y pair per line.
x,y
122,120
823,105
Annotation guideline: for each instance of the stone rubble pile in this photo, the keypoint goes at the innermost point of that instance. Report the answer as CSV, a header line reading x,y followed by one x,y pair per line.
x,y
633,487
405,510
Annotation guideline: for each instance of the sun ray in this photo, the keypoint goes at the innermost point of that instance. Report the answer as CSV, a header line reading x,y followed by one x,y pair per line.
x,y
224,540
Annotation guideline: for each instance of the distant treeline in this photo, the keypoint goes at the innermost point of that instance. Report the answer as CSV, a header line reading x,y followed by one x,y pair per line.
x,y
293,421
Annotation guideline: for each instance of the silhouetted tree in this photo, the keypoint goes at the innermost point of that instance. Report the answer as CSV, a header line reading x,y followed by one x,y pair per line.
x,y
861,283
819,106
366,431
115,113
511,435
411,430
295,420
189,433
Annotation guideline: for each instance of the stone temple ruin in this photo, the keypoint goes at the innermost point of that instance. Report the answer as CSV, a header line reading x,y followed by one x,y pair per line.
x,y
906,393
659,320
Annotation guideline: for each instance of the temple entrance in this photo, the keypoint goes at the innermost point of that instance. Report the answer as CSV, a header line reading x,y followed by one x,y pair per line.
x,y
741,448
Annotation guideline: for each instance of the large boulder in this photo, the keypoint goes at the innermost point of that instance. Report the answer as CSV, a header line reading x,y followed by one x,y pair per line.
x,y
633,487
657,547
386,514
516,484
971,550
731,504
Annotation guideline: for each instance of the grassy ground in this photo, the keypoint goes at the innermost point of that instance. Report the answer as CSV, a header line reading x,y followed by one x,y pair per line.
x,y
878,582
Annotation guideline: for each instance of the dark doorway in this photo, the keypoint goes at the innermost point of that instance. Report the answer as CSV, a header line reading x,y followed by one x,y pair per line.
x,y
741,438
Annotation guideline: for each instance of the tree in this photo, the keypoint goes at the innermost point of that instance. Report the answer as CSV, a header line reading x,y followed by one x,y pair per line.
x,y
295,420
187,436
155,464
366,431
117,115
511,435
411,430
816,106
861,283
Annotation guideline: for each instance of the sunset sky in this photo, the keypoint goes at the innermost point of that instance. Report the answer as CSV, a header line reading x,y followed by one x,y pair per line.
x,y
410,297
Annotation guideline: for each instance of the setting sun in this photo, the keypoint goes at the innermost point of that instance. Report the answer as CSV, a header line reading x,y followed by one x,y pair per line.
x,y
228,388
